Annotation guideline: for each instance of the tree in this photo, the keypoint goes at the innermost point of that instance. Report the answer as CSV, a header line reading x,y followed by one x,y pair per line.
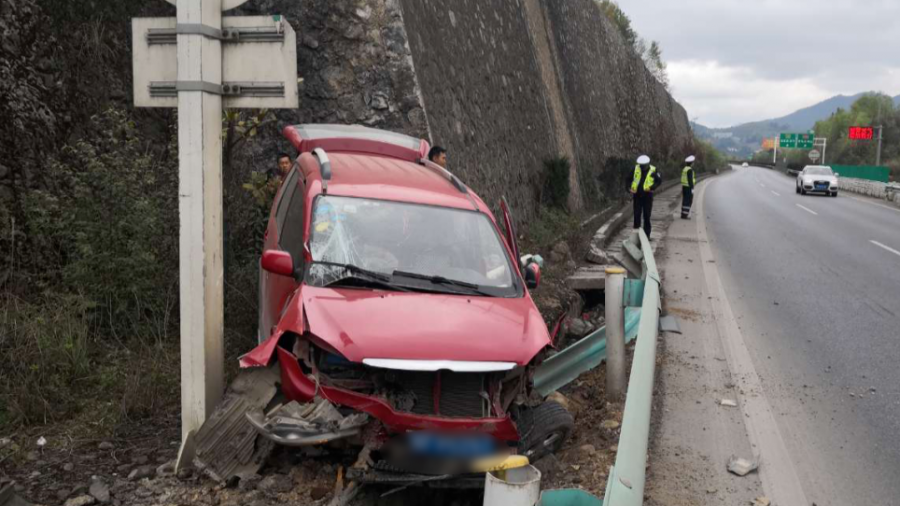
x,y
621,21
655,64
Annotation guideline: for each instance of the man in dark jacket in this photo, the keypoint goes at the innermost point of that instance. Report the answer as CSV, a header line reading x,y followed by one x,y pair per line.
x,y
687,187
645,181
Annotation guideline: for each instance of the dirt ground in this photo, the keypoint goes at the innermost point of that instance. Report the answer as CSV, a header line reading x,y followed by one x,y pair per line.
x,y
133,466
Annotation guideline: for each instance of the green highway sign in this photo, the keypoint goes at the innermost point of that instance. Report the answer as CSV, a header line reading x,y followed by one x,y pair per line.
x,y
798,141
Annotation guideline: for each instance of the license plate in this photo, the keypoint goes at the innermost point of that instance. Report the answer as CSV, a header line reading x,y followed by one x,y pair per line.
x,y
821,187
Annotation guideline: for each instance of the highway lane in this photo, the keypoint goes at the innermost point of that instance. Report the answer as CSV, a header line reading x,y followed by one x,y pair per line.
x,y
814,283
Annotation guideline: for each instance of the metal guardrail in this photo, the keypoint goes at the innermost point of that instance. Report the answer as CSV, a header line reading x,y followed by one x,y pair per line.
x,y
625,486
580,357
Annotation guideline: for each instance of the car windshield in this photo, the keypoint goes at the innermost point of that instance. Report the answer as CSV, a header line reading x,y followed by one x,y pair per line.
x,y
403,241
819,171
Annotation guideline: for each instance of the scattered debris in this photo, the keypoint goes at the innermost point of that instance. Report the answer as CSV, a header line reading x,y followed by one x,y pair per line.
x,y
669,323
711,490
742,467
728,402
579,327
41,442
275,484
761,501
226,445
610,424
106,446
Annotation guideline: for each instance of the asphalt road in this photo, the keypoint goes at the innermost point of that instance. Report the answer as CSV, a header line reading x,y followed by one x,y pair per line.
x,y
814,286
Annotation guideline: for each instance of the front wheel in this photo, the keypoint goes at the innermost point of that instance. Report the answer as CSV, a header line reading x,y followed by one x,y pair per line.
x,y
802,191
543,430
834,194
797,189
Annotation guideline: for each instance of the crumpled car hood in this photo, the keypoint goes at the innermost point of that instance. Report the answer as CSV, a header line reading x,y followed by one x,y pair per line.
x,y
364,324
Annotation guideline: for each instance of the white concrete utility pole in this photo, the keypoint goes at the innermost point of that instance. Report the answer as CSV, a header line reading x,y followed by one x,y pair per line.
x,y
200,209
200,62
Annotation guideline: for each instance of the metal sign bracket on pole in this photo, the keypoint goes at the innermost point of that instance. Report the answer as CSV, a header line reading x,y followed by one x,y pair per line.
x,y
158,36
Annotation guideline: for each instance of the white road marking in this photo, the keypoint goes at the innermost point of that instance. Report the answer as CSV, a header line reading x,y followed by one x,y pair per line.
x,y
775,193
871,203
807,209
892,250
778,475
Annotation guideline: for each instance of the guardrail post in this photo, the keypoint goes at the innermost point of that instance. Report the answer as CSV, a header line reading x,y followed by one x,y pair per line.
x,y
615,332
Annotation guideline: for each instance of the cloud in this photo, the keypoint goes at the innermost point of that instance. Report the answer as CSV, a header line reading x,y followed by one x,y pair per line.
x,y
766,58
722,96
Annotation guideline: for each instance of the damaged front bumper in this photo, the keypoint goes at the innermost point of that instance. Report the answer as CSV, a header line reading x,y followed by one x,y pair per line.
x,y
316,423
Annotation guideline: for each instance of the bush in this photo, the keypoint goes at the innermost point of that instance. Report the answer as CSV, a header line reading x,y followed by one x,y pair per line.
x,y
556,177
106,228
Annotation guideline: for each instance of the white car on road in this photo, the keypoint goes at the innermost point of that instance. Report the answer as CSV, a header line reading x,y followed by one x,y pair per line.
x,y
817,179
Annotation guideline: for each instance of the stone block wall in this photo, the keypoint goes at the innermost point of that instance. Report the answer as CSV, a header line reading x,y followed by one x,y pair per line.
x,y
503,85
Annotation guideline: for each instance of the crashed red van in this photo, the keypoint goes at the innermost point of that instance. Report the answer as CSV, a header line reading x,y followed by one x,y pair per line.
x,y
393,303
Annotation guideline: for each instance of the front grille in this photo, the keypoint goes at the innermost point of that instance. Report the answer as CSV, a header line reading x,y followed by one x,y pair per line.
x,y
460,394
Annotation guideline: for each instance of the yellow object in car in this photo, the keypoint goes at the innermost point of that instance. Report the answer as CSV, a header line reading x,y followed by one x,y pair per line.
x,y
499,463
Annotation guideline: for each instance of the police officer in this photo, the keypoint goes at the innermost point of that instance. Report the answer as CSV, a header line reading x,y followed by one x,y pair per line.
x,y
687,187
646,180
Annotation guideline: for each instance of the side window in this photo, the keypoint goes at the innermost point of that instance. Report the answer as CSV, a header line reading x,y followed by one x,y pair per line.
x,y
291,236
289,188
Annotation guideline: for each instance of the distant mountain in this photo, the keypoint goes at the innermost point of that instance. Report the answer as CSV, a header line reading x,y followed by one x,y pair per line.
x,y
744,139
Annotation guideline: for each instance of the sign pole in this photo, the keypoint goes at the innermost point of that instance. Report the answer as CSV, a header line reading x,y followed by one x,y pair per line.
x,y
775,151
878,149
200,212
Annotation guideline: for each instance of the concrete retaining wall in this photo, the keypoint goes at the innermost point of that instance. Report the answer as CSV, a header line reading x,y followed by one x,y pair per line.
x,y
502,85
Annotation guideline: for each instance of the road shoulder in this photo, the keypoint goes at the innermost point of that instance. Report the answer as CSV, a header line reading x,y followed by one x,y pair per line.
x,y
694,435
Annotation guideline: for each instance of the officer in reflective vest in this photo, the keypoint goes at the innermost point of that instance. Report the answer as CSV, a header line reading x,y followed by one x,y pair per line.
x,y
646,180
687,187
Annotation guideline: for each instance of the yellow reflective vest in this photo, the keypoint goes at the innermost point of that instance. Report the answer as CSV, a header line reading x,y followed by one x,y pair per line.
x,y
648,182
685,176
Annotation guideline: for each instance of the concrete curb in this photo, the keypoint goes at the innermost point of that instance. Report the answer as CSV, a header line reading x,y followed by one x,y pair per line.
x,y
599,243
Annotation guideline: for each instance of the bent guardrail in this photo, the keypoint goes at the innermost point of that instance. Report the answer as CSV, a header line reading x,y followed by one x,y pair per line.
x,y
625,486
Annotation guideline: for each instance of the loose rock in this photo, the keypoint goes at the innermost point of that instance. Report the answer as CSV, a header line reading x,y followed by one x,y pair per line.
x,y
69,467
587,450
105,446
140,473
319,492
82,500
276,484
728,402
761,501
741,467
99,490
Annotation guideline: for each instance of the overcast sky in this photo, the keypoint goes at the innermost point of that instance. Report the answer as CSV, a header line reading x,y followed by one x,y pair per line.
x,y
732,61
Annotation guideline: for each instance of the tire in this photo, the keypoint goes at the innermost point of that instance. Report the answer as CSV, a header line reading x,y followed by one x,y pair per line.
x,y
802,191
543,430
797,190
834,194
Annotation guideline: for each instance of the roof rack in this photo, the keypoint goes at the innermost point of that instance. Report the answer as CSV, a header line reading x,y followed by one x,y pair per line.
x,y
446,173
324,167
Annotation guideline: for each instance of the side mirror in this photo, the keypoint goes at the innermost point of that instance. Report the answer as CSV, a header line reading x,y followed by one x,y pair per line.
x,y
532,275
836,174
278,262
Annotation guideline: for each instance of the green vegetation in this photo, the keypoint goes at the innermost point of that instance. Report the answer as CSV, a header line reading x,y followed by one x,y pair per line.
x,y
651,55
555,190
869,110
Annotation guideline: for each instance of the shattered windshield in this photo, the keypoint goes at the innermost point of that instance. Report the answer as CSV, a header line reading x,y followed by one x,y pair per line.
x,y
458,249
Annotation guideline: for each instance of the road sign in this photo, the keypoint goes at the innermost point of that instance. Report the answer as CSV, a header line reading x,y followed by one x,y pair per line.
x,y
814,155
861,133
259,63
768,144
226,4
798,141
